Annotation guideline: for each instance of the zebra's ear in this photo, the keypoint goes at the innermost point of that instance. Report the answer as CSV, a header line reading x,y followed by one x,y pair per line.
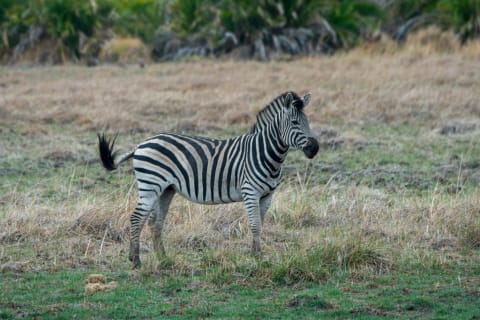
x,y
288,100
306,99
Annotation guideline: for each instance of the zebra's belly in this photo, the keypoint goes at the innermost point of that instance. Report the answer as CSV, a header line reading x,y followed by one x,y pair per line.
x,y
232,195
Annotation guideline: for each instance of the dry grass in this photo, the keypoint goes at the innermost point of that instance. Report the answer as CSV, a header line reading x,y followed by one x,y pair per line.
x,y
209,95
81,224
125,50
431,40
353,227
471,49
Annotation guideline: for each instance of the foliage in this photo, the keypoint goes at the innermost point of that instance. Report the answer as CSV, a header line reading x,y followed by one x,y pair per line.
x,y
352,19
243,18
63,20
66,20
15,18
247,18
190,16
298,13
139,18
463,16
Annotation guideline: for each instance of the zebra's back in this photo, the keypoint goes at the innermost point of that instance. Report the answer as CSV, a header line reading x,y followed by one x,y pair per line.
x,y
200,169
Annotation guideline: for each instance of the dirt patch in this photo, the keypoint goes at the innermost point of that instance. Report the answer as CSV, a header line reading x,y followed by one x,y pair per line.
x,y
328,139
391,179
458,128
371,310
445,244
311,302
59,157
15,266
458,173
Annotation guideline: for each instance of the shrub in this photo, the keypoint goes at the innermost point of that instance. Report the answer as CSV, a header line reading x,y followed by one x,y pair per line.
x,y
15,18
247,18
66,19
63,20
458,15
352,20
191,16
244,18
139,18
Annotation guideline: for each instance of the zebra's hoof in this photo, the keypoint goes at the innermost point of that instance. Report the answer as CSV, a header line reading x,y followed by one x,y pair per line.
x,y
135,261
256,253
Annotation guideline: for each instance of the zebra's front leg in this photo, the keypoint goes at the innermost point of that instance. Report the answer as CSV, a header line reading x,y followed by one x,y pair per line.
x,y
265,204
252,205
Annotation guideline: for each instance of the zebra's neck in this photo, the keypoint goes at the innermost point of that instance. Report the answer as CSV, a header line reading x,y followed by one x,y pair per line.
x,y
271,147
267,114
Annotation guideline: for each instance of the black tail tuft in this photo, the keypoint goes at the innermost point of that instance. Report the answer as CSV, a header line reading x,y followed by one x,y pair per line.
x,y
105,147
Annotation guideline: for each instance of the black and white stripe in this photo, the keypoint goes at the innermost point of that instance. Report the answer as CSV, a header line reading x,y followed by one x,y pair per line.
x,y
245,168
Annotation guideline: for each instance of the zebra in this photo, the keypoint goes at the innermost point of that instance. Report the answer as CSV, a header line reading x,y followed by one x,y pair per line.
x,y
210,171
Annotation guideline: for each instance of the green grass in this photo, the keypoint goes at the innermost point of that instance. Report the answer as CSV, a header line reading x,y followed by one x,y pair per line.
x,y
418,293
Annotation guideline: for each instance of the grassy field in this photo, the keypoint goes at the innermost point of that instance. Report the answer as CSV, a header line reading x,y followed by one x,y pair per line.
x,y
383,223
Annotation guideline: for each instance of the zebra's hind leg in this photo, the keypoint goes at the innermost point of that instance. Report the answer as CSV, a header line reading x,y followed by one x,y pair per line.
x,y
137,220
158,219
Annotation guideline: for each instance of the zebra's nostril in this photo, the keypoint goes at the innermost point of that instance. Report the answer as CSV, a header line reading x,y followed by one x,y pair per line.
x,y
311,148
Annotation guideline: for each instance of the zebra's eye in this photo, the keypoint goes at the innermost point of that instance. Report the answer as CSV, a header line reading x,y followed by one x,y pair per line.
x,y
295,122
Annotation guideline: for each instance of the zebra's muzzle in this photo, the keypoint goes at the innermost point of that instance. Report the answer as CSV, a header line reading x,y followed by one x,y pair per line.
x,y
311,148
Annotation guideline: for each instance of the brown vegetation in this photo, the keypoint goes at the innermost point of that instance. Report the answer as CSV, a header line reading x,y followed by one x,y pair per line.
x,y
97,283
419,82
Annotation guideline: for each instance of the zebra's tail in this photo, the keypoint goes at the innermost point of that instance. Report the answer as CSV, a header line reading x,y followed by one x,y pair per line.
x,y
108,157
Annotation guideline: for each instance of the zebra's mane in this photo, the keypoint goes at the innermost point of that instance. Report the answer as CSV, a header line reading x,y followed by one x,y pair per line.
x,y
273,108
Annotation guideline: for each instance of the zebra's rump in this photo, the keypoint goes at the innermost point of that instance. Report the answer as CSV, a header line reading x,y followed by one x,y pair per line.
x,y
201,169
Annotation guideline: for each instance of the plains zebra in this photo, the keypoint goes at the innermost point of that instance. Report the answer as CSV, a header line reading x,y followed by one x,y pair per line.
x,y
245,168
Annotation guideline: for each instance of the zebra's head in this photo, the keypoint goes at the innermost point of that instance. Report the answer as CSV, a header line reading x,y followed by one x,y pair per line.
x,y
295,130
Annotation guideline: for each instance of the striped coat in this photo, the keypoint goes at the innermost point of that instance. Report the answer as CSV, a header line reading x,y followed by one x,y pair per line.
x,y
245,168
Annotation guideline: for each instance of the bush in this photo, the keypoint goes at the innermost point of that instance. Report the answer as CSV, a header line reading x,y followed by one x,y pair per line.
x,y
139,18
352,20
62,20
243,18
15,18
458,15
248,18
65,20
191,16
345,22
